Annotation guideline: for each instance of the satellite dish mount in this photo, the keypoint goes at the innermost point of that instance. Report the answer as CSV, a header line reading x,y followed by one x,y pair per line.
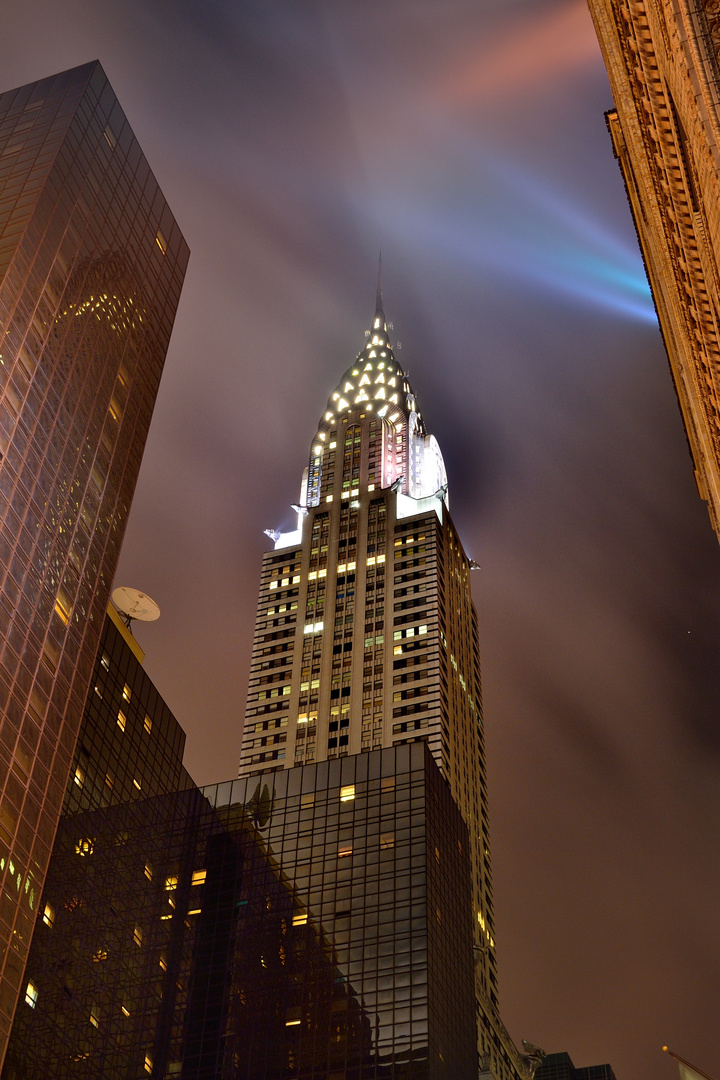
x,y
133,604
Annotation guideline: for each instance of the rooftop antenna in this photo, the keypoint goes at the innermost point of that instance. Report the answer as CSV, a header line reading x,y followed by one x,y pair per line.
x,y
133,604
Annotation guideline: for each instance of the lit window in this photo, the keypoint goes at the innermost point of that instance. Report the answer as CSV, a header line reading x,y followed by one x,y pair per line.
x,y
84,846
161,241
328,498
137,784
195,911
121,720
124,1010
344,850
48,915
63,610
31,994
79,777
292,1023
148,871
137,935
147,724
300,919
109,780
99,955
127,693
387,840
95,1016
148,1063
105,661
171,883
163,961
347,793
198,877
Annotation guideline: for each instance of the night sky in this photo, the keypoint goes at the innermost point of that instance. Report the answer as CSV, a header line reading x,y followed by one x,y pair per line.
x,y
466,139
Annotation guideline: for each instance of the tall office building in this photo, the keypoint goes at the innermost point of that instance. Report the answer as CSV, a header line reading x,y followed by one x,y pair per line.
x,y
662,62
316,927
314,924
130,745
91,267
366,634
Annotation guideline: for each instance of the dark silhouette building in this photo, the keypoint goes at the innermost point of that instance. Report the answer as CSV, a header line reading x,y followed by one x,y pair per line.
x,y
377,856
313,923
560,1067
316,929
91,267
130,744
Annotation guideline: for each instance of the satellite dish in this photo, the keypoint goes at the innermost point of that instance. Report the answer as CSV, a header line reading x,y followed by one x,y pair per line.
x,y
133,604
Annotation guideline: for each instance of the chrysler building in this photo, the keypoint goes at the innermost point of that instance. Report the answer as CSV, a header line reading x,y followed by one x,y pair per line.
x,y
366,634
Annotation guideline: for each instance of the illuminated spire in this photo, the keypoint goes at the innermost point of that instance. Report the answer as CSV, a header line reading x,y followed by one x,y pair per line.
x,y
379,313
375,388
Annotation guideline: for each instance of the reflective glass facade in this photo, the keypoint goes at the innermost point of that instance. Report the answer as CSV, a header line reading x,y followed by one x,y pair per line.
x,y
112,953
91,267
308,925
377,856
130,745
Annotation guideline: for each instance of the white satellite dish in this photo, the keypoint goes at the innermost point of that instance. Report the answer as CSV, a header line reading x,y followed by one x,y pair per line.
x,y
133,604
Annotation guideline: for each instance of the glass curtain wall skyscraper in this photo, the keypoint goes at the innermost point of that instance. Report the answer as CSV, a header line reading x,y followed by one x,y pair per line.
x,y
91,268
366,634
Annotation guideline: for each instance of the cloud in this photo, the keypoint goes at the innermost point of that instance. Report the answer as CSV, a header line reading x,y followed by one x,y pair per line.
x,y
530,54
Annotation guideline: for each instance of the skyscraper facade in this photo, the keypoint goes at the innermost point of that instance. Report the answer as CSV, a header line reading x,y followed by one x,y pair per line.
x,y
316,927
91,267
662,62
130,745
366,634
312,924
